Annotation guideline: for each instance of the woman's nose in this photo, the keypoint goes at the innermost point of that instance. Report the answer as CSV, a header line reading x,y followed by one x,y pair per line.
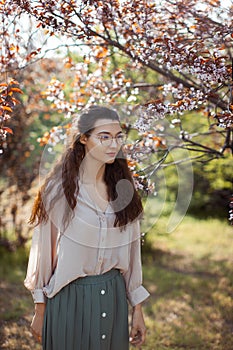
x,y
114,143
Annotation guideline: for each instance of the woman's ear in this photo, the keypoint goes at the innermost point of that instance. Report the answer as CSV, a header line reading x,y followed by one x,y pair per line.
x,y
83,139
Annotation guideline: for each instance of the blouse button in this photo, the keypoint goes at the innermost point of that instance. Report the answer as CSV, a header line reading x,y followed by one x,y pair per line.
x,y
104,314
102,292
103,336
102,218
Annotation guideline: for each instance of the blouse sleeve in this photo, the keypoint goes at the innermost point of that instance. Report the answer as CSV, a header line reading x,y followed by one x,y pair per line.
x,y
42,260
136,293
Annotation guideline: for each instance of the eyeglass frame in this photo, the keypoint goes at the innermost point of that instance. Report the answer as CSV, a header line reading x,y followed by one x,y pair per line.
x,y
111,138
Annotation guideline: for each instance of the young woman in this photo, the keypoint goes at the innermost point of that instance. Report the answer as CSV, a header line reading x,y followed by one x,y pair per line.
x,y
85,265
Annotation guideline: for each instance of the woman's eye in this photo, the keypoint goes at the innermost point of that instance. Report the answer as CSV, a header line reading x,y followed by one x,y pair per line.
x,y
121,138
104,137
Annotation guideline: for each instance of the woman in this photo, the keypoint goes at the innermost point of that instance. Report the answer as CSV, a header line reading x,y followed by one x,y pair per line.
x,y
85,265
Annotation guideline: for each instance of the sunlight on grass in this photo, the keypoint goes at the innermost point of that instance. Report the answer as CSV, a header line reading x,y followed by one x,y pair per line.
x,y
199,238
189,274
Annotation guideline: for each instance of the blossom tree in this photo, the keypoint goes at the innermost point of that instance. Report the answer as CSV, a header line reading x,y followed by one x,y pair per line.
x,y
187,43
163,60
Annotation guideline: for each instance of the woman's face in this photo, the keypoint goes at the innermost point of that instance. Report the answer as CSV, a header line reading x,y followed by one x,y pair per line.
x,y
105,141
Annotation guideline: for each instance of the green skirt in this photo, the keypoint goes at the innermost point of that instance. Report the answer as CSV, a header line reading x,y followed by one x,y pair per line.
x,y
90,313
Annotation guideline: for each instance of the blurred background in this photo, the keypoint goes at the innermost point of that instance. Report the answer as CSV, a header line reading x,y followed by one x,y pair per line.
x,y
167,68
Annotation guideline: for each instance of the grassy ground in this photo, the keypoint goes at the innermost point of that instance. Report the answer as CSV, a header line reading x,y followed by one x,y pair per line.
x,y
189,274
16,305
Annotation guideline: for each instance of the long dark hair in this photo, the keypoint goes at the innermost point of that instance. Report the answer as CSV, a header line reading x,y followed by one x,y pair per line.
x,y
67,171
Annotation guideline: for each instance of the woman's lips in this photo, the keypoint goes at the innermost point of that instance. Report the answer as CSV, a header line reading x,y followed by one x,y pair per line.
x,y
111,154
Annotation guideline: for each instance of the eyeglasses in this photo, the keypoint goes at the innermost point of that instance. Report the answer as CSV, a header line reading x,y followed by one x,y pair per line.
x,y
106,140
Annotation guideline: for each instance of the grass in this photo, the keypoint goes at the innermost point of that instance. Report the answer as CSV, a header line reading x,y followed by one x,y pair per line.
x,y
16,305
189,274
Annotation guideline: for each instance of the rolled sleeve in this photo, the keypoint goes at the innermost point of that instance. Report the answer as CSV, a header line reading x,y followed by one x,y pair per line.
x,y
138,295
38,296
42,260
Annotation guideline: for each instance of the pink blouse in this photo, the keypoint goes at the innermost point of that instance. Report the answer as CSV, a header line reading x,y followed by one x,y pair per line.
x,y
90,245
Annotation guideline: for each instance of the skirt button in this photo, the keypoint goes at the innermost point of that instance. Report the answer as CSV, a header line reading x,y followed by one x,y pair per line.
x,y
102,292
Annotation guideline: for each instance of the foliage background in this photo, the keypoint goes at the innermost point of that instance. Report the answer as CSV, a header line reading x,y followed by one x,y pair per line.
x,y
174,62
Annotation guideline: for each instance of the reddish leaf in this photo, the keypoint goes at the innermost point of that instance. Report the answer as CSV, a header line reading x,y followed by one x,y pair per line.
x,y
14,89
10,131
6,108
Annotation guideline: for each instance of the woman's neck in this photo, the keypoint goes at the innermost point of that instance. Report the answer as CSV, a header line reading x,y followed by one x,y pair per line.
x,y
91,171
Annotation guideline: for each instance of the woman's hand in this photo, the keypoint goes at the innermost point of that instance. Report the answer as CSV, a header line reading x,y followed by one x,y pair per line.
x,y
37,321
138,328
